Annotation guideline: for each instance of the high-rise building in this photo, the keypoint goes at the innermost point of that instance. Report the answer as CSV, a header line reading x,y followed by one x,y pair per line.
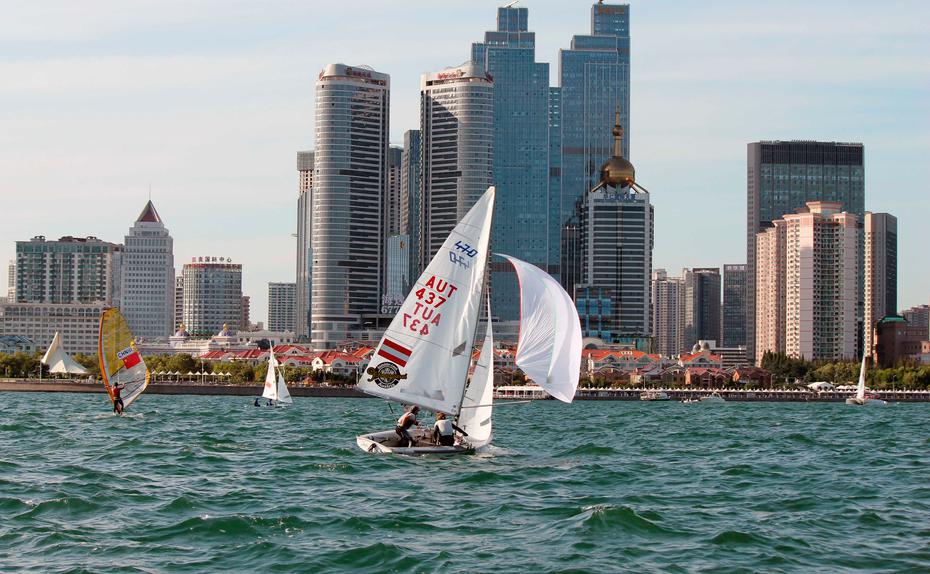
x,y
212,295
147,298
178,300
70,270
410,220
397,278
815,252
668,313
733,323
521,146
919,318
393,196
880,272
77,323
457,131
769,328
11,281
350,176
304,201
781,177
245,307
702,304
281,300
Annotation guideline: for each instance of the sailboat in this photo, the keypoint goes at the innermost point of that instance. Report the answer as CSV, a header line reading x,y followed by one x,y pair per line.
x,y
275,389
425,354
861,399
120,360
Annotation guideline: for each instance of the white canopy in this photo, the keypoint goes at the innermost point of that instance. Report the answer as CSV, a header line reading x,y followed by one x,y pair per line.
x,y
549,345
60,362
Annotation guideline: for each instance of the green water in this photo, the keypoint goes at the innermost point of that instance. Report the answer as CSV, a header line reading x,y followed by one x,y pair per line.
x,y
212,484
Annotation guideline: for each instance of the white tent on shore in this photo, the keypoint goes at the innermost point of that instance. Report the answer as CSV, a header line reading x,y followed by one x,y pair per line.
x,y
59,361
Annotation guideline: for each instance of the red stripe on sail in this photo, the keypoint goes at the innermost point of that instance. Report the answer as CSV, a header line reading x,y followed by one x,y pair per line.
x,y
392,358
400,349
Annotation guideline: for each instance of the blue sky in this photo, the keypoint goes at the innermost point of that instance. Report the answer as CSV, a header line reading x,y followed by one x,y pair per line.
x,y
207,102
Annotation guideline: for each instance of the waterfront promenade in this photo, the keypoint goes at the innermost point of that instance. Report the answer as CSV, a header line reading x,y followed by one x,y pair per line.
x,y
501,393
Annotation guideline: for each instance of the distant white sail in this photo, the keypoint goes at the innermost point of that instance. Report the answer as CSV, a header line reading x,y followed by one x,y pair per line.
x,y
284,397
271,384
860,390
59,361
549,345
477,408
425,353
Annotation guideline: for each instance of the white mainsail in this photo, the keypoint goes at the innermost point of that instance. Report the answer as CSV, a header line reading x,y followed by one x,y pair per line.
x,y
860,390
59,361
425,353
477,408
271,385
549,346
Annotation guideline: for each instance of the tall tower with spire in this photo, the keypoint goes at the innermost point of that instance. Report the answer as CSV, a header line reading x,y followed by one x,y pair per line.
x,y
147,278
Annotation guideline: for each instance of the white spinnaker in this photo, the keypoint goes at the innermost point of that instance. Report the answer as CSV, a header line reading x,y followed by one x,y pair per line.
x,y
860,390
284,397
475,418
271,386
549,345
425,353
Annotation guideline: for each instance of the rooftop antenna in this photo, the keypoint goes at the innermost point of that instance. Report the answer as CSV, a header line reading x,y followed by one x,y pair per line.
x,y
150,192
511,4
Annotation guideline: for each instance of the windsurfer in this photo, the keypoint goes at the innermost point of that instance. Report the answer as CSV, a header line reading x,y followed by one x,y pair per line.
x,y
444,430
117,399
407,420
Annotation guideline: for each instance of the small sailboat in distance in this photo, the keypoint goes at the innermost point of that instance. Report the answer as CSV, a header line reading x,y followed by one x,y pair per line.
x,y
275,389
125,375
861,399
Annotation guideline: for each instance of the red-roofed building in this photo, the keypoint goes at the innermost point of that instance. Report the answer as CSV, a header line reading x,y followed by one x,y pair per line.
x,y
337,363
700,359
706,377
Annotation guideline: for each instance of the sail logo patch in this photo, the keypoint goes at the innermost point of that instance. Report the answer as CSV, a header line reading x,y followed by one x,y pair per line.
x,y
385,375
394,352
129,356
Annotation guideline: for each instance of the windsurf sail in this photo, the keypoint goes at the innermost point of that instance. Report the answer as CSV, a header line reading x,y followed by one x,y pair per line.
x,y
477,405
424,356
549,345
120,360
59,361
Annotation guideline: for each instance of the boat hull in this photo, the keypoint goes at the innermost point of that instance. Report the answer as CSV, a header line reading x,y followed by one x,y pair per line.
x,y
865,402
387,442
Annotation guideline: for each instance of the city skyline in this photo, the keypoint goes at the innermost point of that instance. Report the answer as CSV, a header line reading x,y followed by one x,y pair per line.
x,y
98,110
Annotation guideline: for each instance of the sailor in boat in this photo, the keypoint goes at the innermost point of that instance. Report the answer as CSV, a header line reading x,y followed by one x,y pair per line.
x,y
117,399
407,420
444,430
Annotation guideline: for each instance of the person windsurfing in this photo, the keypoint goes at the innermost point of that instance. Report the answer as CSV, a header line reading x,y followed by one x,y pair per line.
x,y
117,399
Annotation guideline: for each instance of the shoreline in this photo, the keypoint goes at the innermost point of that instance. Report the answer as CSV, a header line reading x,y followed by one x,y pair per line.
x,y
583,394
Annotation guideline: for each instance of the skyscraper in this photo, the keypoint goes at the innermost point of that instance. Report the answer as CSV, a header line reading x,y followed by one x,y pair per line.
x,y
769,328
11,281
456,127
70,270
147,298
881,271
245,308
702,305
521,144
178,300
281,300
350,177
734,306
815,252
393,196
781,177
302,287
668,313
410,202
212,295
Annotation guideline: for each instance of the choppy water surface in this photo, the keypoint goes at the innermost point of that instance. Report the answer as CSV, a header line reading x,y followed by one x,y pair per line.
x,y
212,484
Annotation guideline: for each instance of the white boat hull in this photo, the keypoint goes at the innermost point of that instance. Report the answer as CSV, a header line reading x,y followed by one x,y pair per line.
x,y
387,442
865,402
712,399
